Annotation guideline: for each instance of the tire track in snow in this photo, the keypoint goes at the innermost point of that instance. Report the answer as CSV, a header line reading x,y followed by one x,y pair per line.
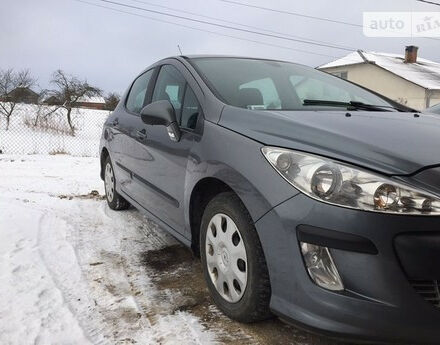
x,y
68,288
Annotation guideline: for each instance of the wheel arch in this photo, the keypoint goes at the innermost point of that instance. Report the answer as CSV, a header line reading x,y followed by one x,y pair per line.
x,y
203,192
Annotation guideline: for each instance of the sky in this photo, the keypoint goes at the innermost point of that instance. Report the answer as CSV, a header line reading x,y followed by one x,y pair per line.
x,y
109,48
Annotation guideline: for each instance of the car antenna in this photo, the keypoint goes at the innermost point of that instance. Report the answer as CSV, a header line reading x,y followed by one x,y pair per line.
x,y
180,50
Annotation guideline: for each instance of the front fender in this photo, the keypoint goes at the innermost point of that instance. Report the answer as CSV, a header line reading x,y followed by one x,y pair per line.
x,y
238,162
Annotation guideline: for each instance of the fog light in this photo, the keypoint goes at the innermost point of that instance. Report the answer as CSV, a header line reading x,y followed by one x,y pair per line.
x,y
321,268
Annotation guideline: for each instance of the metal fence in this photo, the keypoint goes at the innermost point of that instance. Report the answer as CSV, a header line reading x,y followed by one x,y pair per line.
x,y
41,129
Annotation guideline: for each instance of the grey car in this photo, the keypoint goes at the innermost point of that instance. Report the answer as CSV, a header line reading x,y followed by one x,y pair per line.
x,y
305,196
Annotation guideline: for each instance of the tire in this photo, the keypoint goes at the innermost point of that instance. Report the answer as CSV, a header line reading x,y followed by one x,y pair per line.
x,y
114,200
247,298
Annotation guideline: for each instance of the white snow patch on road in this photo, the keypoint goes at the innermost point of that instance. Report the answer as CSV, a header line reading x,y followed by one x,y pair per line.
x,y
71,269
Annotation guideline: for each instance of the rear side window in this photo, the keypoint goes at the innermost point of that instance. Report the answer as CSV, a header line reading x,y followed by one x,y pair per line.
x,y
170,86
190,109
138,92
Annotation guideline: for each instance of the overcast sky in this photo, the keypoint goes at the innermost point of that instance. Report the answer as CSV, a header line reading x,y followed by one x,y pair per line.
x,y
110,48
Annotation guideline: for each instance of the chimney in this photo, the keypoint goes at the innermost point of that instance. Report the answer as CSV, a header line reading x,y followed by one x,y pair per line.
x,y
411,54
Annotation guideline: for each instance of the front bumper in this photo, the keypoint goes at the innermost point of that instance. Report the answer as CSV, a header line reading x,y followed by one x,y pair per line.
x,y
379,302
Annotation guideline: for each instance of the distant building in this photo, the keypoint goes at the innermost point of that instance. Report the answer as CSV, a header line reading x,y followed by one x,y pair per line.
x,y
22,95
83,102
406,79
52,100
96,102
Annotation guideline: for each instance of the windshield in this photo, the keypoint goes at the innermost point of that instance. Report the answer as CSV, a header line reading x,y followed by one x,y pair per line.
x,y
272,85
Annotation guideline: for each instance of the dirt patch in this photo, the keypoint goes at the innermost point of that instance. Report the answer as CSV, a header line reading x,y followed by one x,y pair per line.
x,y
93,195
175,268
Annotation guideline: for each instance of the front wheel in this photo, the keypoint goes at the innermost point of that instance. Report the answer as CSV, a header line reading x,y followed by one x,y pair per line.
x,y
233,260
114,200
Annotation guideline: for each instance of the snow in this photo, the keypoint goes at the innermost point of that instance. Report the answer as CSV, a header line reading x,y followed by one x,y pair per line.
x,y
92,99
55,136
425,73
70,267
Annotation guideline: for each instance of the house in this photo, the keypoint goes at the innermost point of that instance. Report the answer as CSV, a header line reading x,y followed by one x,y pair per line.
x,y
407,79
22,95
52,100
96,102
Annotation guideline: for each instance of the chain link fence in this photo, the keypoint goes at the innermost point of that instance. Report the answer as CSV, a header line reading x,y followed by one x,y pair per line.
x,y
42,129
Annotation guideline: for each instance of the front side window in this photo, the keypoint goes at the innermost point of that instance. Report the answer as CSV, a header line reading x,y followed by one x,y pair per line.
x,y
138,92
170,86
274,85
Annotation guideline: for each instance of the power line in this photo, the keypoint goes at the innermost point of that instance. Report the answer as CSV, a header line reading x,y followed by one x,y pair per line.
x,y
429,2
204,30
292,13
327,45
231,22
315,17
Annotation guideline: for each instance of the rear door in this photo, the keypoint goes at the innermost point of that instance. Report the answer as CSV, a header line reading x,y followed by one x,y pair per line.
x,y
162,163
126,123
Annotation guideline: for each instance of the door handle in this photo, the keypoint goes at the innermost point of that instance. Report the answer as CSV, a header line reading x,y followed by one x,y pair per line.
x,y
142,134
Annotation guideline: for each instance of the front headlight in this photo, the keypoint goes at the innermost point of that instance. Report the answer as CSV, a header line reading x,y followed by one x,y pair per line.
x,y
343,185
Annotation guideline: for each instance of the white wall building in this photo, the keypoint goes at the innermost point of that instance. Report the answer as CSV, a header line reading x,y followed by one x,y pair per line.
x,y
406,79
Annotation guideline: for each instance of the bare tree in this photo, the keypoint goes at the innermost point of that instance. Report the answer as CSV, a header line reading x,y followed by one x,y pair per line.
x,y
112,100
69,90
11,81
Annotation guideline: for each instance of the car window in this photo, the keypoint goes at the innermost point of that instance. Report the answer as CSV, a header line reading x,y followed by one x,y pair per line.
x,y
264,94
170,85
267,84
136,98
190,109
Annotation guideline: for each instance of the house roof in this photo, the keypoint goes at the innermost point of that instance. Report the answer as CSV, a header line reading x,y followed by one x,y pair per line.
x,y
23,91
425,73
94,99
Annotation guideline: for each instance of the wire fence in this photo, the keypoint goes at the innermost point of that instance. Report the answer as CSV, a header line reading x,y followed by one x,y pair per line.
x,y
42,129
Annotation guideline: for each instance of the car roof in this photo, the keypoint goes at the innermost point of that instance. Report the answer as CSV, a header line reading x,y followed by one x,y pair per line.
x,y
199,56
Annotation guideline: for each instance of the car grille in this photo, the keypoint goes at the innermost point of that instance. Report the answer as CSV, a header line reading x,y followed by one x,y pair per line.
x,y
429,290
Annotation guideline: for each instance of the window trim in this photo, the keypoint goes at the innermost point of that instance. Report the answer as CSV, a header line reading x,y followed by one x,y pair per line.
x,y
148,91
187,129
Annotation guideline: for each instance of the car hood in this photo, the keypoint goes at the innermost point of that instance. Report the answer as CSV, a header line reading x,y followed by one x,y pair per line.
x,y
393,143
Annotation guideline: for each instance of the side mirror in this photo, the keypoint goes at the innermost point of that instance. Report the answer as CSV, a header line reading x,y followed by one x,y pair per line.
x,y
161,113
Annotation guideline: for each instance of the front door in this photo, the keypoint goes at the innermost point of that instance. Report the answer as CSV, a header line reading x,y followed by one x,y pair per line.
x,y
162,163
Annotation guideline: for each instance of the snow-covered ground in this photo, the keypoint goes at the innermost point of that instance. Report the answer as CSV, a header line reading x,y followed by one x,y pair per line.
x,y
70,267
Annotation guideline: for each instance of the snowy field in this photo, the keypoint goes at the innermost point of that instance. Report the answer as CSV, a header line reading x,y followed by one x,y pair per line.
x,y
31,132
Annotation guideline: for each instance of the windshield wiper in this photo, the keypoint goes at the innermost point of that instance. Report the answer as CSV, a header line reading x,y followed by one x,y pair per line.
x,y
349,105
